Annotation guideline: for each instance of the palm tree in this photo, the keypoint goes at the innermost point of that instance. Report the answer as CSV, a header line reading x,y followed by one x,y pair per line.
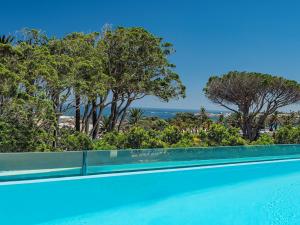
x,y
6,39
5,44
203,116
135,116
221,119
274,121
234,120
104,124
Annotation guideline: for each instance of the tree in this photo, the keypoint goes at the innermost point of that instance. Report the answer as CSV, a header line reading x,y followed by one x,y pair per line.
x,y
153,123
9,77
135,116
6,39
187,121
233,120
221,119
203,115
59,83
254,96
273,121
19,133
25,113
39,78
89,84
288,119
78,46
137,62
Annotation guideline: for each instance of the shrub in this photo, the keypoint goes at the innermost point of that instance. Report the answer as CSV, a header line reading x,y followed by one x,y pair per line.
x,y
264,139
187,140
154,143
103,145
171,135
136,138
111,140
72,141
20,137
287,135
220,135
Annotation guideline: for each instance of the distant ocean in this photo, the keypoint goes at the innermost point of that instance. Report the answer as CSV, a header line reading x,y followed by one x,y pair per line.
x,y
170,113
162,113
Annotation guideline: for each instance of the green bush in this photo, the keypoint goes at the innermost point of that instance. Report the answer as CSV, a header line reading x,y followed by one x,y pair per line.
x,y
136,137
187,140
287,135
264,139
71,141
103,145
171,135
218,134
154,143
111,140
21,137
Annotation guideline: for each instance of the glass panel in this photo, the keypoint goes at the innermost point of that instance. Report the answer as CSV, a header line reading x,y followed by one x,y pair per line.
x,y
33,165
20,166
131,160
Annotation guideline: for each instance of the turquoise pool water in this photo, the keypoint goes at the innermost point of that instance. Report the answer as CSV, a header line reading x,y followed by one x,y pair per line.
x,y
245,194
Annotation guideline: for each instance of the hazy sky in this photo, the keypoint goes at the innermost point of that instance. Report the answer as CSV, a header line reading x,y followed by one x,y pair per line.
x,y
210,37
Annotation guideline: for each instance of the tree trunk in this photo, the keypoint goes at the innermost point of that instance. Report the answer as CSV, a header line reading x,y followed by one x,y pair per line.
x,y
251,128
95,120
55,102
1,104
77,112
260,125
84,117
99,117
113,113
124,112
56,132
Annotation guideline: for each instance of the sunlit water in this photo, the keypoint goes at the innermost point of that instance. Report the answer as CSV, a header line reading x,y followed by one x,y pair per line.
x,y
244,195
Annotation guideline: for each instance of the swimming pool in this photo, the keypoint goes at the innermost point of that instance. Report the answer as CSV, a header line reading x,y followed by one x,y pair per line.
x,y
244,194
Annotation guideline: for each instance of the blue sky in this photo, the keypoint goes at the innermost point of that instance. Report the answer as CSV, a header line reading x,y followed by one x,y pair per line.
x,y
211,37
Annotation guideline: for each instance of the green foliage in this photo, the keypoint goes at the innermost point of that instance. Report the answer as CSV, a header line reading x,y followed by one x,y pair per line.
x,y
287,135
101,144
171,135
111,140
6,39
154,143
220,135
136,138
153,123
188,120
186,140
18,130
264,139
72,141
135,116
233,120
